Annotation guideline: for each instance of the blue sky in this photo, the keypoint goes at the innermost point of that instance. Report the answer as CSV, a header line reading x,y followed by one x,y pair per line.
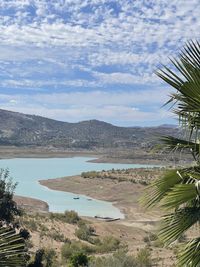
x,y
76,60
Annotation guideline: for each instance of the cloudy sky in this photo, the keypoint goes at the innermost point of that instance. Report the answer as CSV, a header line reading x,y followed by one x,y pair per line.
x,y
75,60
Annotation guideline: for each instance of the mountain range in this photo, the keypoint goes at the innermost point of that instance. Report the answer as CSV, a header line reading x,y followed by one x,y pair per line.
x,y
30,130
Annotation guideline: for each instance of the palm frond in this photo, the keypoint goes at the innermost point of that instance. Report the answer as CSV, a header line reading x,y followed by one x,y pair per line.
x,y
175,224
180,189
180,194
12,249
189,255
186,80
192,172
159,188
171,142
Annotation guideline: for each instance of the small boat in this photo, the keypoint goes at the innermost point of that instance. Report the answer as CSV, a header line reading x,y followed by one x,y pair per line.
x,y
89,199
107,219
76,197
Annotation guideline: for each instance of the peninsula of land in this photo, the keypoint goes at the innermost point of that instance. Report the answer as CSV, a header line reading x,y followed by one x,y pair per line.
x,y
121,187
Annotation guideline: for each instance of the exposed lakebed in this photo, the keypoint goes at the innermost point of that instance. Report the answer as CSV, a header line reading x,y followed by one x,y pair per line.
x,y
27,173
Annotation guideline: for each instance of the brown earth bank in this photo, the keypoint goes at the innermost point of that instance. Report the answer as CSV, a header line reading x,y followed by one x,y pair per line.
x,y
127,156
31,204
7,152
122,193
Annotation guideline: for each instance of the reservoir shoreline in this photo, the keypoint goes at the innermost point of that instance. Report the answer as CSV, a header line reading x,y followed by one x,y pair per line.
x,y
123,195
99,156
77,185
27,171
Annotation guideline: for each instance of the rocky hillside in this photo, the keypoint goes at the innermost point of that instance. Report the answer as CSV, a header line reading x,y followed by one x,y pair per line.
x,y
30,130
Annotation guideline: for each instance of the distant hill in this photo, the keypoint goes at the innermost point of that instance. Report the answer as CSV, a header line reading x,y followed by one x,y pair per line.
x,y
29,130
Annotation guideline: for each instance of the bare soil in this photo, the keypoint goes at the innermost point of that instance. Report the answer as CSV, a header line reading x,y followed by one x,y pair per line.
x,y
31,204
137,224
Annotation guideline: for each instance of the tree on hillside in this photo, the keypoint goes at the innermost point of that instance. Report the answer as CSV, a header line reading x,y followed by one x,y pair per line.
x,y
12,245
8,207
179,190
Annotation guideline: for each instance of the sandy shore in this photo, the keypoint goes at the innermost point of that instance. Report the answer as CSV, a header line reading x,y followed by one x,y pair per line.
x,y
101,156
123,195
13,152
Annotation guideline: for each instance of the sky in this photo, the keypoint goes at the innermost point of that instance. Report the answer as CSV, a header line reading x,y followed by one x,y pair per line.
x,y
75,60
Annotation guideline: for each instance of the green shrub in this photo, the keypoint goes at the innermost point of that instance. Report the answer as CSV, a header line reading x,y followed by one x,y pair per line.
x,y
90,174
153,237
85,232
158,243
96,241
50,258
108,244
44,257
31,225
78,259
71,217
144,258
68,217
118,259
150,237
69,248
146,239
57,236
43,228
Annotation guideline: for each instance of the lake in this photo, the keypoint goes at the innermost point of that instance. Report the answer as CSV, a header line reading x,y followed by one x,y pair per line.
x,y
27,171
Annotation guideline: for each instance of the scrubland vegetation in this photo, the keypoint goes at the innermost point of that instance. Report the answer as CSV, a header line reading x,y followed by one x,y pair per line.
x,y
88,249
139,176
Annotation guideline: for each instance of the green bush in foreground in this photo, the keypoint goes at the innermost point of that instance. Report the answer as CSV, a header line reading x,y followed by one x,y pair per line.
x,y
71,217
8,207
78,260
118,259
107,245
122,259
85,232
70,248
44,258
143,258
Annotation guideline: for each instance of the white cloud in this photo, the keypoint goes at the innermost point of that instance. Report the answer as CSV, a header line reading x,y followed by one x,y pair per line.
x,y
13,101
119,115
97,44
95,98
124,78
134,27
122,108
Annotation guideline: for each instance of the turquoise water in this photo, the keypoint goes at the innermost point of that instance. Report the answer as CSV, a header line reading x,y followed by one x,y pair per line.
x,y
27,172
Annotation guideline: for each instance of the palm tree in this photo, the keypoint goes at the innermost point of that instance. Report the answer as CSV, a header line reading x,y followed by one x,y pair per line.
x,y
179,190
12,249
